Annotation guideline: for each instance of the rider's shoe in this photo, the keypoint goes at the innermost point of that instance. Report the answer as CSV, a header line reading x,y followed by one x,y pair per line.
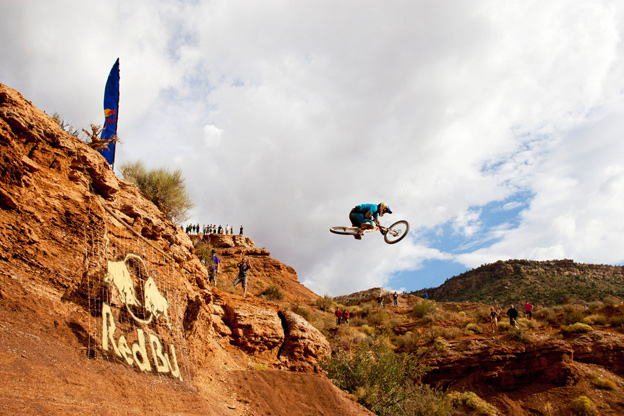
x,y
358,236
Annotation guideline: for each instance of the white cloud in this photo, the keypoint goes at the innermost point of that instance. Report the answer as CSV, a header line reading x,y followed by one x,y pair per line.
x,y
284,116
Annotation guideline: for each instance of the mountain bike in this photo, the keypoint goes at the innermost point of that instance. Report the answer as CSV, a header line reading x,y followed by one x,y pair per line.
x,y
393,234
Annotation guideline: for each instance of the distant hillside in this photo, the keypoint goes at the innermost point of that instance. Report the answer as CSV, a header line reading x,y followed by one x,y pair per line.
x,y
542,282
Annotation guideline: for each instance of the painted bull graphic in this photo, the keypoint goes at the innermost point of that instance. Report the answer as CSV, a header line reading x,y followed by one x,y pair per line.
x,y
118,275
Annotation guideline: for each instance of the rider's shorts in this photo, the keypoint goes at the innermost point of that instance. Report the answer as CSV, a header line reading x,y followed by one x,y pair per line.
x,y
358,219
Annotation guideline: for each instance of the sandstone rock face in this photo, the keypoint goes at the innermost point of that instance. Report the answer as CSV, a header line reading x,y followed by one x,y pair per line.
x,y
67,222
603,348
303,344
508,367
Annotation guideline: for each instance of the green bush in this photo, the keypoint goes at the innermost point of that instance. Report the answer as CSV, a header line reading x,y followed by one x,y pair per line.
x,y
617,320
602,383
583,406
302,311
576,328
595,319
548,315
425,307
474,328
326,303
573,314
165,189
385,382
610,300
473,402
272,293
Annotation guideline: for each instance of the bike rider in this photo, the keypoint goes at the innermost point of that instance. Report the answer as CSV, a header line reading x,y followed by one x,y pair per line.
x,y
366,216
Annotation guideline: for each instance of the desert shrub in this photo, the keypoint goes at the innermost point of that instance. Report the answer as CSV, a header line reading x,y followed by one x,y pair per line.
x,y
602,383
368,330
440,345
326,303
380,318
385,382
483,314
518,335
548,315
357,321
67,127
595,319
527,323
424,307
573,314
203,251
583,406
576,328
430,318
610,300
595,306
504,326
367,308
474,328
408,341
164,188
617,320
258,367
272,293
302,311
452,332
473,402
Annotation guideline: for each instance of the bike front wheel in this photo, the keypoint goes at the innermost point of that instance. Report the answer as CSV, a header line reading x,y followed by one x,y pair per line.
x,y
396,232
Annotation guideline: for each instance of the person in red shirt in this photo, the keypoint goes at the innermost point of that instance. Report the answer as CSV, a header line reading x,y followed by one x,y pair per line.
x,y
345,316
338,316
528,309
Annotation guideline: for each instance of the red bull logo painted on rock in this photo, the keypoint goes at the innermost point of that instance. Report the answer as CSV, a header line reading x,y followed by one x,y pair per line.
x,y
143,309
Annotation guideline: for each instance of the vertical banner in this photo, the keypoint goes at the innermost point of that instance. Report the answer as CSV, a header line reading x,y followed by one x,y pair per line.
x,y
111,109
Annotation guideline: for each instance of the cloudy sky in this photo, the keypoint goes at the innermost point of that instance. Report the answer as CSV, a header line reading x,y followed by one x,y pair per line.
x,y
493,127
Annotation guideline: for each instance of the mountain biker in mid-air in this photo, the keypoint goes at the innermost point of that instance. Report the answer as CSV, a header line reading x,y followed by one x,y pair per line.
x,y
367,216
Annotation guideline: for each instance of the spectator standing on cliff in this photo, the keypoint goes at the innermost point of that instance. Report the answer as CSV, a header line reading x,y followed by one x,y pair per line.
x,y
241,230
380,300
215,267
338,314
395,298
528,309
493,319
513,316
243,268
345,316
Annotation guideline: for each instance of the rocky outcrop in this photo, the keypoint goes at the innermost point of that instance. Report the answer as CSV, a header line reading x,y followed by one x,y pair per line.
x,y
67,221
506,366
303,344
603,348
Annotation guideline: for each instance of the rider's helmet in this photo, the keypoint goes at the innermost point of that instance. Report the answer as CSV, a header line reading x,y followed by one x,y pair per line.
x,y
385,207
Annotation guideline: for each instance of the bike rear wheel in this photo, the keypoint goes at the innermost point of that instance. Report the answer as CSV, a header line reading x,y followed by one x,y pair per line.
x,y
396,232
345,230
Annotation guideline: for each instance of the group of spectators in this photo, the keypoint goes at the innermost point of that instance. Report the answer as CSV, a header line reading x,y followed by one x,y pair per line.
x,y
211,229
342,317
512,314
214,267
395,299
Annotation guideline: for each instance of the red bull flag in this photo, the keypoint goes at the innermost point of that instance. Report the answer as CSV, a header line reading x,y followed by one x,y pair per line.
x,y
111,109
